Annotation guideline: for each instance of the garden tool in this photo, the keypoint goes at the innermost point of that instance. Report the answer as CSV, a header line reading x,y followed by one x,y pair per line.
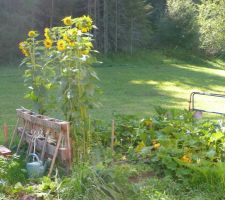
x,y
35,166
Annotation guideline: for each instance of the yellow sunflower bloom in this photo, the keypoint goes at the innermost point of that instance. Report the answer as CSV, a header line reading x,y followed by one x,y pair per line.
x,y
46,32
25,52
66,38
85,24
22,47
61,45
31,34
67,21
85,52
72,43
72,32
48,43
84,30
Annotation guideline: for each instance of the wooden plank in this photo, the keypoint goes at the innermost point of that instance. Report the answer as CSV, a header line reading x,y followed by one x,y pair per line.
x,y
45,144
55,154
6,133
21,138
14,132
52,123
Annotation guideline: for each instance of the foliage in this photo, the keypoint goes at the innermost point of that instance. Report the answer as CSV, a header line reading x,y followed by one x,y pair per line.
x,y
175,144
12,170
211,23
178,26
45,189
59,69
87,183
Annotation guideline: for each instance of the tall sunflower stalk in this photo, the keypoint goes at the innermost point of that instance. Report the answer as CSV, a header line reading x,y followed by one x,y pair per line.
x,y
65,59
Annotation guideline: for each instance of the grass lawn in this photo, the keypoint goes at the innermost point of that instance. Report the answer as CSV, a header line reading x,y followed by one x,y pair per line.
x,y
133,84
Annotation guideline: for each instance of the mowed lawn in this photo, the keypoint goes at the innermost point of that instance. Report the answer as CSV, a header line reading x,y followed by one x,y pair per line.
x,y
133,85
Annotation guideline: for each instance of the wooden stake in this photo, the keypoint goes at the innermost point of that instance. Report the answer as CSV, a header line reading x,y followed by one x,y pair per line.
x,y
44,146
69,145
14,132
113,135
21,138
55,154
6,133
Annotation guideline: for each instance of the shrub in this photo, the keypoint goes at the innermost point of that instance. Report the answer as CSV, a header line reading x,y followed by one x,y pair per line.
x,y
211,26
178,27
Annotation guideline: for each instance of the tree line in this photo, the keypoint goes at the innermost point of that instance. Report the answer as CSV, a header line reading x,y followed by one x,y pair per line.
x,y
122,25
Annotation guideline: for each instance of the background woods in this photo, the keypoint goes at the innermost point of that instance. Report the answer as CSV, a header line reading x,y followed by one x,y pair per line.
x,y
123,25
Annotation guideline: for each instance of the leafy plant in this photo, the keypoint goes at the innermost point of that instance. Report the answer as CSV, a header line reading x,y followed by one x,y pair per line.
x,y
59,75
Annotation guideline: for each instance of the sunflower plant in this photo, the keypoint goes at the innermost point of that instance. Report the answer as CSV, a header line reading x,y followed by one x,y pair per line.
x,y
61,62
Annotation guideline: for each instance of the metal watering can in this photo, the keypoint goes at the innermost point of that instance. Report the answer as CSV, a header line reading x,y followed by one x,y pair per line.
x,y
35,166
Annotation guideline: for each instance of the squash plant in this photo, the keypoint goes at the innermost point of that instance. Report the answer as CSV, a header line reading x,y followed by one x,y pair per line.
x,y
59,75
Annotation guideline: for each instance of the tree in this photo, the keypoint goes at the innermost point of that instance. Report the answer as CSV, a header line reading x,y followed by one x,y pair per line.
x,y
211,26
16,18
178,27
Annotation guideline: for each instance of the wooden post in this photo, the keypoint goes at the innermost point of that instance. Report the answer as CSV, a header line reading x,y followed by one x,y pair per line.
x,y
69,145
6,134
21,138
14,132
55,154
113,135
45,143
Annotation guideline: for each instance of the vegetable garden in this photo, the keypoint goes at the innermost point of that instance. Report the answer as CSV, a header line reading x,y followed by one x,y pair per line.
x,y
165,156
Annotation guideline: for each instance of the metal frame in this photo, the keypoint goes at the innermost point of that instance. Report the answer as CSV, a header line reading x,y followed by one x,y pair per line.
x,y
192,101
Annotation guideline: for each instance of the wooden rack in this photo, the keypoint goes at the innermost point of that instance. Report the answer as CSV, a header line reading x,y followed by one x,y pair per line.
x,y
54,142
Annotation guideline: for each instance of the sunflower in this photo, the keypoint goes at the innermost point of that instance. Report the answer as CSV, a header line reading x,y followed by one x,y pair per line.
x,y
84,30
85,24
25,52
72,32
31,34
72,43
48,43
47,31
61,45
67,21
22,47
66,38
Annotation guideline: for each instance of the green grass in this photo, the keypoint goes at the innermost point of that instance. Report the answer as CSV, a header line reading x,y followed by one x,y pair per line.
x,y
133,84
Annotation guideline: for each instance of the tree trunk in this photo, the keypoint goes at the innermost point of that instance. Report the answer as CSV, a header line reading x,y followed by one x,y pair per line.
x,y
105,18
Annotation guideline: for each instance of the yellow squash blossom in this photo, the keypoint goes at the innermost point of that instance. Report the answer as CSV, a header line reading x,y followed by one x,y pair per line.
x,y
61,45
154,141
156,146
31,33
186,159
48,43
67,21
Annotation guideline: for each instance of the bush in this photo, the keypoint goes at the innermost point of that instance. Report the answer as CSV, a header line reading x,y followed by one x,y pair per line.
x,y
178,27
211,26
